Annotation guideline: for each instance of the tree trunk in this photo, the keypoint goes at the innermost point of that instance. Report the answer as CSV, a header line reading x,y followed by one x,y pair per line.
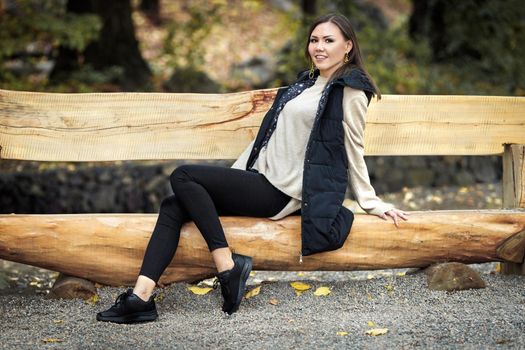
x,y
109,248
151,9
116,46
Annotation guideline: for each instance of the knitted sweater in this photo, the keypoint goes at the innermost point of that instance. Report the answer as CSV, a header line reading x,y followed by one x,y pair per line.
x,y
281,161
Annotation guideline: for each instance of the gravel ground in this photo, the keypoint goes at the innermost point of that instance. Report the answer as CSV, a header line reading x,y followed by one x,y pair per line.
x,y
415,317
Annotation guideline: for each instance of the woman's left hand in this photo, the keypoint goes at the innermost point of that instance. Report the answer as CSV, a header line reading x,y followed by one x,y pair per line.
x,y
395,214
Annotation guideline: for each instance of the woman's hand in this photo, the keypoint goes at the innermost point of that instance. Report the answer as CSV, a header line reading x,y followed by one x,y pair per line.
x,y
395,214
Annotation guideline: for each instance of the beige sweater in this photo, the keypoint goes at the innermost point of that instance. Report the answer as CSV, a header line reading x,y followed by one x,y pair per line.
x,y
281,161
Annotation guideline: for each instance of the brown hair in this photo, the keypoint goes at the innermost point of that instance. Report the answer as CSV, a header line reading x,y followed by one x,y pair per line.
x,y
355,60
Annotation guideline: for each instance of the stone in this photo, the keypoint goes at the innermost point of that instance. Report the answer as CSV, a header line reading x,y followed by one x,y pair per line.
x,y
453,276
69,287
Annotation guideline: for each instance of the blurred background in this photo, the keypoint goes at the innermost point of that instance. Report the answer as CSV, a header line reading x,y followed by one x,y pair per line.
x,y
468,47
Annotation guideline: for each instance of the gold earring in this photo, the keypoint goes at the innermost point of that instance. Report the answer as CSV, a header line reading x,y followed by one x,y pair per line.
x,y
312,70
347,58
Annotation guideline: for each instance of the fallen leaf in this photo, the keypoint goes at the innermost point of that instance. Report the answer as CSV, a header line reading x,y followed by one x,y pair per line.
x,y
389,288
209,282
274,301
93,300
322,291
401,273
377,331
52,340
371,324
300,287
199,290
300,274
255,291
369,296
159,297
58,321
342,333
252,273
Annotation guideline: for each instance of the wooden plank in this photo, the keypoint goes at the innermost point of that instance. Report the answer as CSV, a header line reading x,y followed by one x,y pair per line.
x,y
131,126
108,248
514,194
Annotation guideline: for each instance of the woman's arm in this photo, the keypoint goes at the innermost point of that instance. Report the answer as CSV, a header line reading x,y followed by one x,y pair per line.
x,y
354,107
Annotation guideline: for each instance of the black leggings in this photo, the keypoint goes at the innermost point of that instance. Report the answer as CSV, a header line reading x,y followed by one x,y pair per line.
x,y
201,194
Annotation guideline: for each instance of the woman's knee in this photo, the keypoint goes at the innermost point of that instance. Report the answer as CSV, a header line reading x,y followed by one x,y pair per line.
x,y
180,176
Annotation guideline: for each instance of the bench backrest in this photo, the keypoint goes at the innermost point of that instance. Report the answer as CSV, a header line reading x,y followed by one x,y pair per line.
x,y
141,126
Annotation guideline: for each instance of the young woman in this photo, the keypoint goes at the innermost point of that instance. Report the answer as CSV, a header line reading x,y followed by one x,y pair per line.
x,y
310,144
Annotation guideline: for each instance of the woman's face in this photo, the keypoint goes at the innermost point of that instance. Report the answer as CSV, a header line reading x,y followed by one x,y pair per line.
x,y
327,48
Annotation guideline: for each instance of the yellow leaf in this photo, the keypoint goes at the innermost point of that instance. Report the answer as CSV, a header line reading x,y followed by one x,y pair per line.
x,y
199,290
93,300
342,333
52,340
255,291
274,301
58,321
369,296
300,274
322,291
371,324
389,288
252,273
300,287
377,331
159,297
401,273
369,276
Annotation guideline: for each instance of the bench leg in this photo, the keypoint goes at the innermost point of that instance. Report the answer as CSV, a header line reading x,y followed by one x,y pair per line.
x,y
513,191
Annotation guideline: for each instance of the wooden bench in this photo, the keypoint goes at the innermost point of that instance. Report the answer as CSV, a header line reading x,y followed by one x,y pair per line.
x,y
108,248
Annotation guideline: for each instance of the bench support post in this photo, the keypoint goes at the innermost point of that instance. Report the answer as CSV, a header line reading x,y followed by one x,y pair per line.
x,y
513,192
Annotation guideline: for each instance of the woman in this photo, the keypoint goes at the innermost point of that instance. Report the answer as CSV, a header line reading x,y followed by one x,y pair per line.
x,y
308,144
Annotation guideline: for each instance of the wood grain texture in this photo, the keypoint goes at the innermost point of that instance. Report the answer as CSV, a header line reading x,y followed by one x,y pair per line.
x,y
108,248
131,126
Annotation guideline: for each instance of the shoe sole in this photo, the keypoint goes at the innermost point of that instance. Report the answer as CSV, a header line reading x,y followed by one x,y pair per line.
x,y
131,318
242,286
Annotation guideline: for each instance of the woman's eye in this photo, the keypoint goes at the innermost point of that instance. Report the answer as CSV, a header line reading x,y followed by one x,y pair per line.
x,y
329,41
312,40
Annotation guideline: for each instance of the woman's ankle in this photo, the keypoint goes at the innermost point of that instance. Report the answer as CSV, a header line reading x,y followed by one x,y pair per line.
x,y
144,287
223,259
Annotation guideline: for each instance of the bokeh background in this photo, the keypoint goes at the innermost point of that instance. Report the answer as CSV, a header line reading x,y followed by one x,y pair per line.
x,y
468,47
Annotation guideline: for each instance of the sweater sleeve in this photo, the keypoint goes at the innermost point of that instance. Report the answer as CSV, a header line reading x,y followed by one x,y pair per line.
x,y
354,107
240,163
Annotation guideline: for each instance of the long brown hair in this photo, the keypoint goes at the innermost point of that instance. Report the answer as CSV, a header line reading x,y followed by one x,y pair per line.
x,y
355,59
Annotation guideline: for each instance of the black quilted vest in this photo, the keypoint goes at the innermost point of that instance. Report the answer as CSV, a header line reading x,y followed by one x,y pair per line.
x,y
325,223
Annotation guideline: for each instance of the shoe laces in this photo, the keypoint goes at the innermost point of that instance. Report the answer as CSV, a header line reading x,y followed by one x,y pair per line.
x,y
121,298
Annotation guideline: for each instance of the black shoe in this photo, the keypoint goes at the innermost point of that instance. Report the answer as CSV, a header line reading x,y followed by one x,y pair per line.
x,y
233,282
129,308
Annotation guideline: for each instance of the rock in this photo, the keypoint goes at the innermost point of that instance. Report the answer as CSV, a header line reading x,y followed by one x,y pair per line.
x,y
4,283
191,80
69,287
452,277
257,72
483,169
419,177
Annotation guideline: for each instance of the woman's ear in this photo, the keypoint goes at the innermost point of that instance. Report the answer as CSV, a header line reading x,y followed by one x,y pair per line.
x,y
349,46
